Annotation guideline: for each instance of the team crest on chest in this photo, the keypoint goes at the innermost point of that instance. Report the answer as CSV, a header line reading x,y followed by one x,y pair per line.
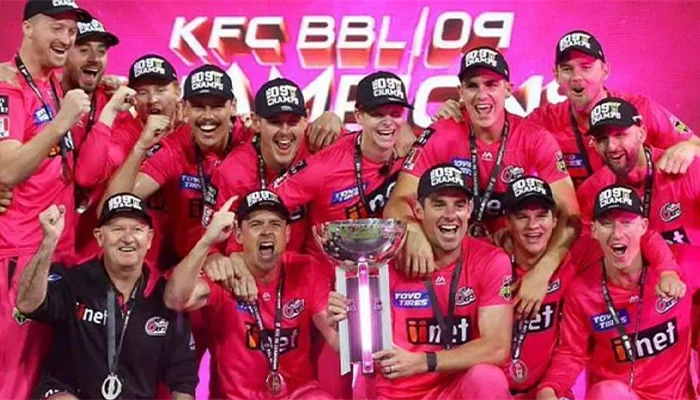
x,y
671,211
293,308
511,173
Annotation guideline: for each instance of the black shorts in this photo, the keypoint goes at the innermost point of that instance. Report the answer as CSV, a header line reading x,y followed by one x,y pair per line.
x,y
49,387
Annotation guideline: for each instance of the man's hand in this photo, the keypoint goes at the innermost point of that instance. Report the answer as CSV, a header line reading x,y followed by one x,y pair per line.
x,y
450,109
155,129
5,198
243,285
76,103
670,285
405,139
529,293
419,259
399,363
221,225
547,394
111,84
337,309
677,158
323,131
52,221
8,74
122,99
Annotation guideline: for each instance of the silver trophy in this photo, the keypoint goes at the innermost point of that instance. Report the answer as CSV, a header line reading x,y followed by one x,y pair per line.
x,y
360,250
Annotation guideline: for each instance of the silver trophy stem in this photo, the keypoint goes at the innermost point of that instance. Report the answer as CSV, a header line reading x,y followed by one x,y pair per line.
x,y
365,310
344,336
386,306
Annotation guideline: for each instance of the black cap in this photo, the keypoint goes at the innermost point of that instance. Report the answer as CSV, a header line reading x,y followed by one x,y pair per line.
x,y
262,199
526,190
124,204
209,80
380,88
613,111
151,66
277,96
442,176
581,41
483,57
53,7
617,197
94,30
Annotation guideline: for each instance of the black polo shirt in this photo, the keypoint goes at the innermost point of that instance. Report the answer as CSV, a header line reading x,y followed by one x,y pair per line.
x,y
156,345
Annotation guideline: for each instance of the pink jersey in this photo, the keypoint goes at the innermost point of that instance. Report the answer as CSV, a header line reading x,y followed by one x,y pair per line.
x,y
22,117
530,150
484,281
239,175
526,369
327,184
238,364
589,338
663,131
675,200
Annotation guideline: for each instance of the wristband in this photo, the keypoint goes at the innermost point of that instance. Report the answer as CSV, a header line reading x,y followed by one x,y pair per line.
x,y
431,360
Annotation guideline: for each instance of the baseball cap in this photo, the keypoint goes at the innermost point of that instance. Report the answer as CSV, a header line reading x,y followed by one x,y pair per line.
x,y
612,111
581,41
525,190
442,176
53,7
208,79
617,197
262,199
95,30
380,88
483,57
277,96
124,204
151,66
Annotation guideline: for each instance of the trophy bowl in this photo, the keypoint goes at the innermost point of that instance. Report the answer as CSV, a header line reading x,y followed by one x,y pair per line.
x,y
370,240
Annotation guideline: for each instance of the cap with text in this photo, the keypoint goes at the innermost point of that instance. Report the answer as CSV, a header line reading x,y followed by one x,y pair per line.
x,y
613,111
527,190
381,88
208,80
580,41
617,197
262,200
151,67
95,31
55,7
483,58
124,205
441,177
278,96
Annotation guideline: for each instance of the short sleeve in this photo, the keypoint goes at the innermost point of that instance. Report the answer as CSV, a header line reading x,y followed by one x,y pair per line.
x,y
495,280
160,165
547,157
13,116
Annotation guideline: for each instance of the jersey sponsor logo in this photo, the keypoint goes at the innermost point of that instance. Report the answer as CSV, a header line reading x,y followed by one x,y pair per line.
x,y
289,338
671,211
464,164
554,286
505,290
343,195
487,156
41,116
293,308
604,322
413,154
376,200
561,165
4,127
4,105
190,182
427,331
679,126
511,173
156,326
19,318
676,236
544,319
423,138
573,160
153,150
464,296
663,305
89,315
440,280
53,278
411,299
649,342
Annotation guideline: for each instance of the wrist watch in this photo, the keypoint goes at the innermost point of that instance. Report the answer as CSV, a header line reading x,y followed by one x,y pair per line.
x,y
431,360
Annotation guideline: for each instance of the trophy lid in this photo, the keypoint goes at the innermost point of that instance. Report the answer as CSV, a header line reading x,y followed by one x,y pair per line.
x,y
372,239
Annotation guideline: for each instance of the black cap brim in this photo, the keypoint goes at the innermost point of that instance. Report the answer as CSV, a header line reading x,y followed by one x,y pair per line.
x,y
425,193
82,15
593,131
385,101
157,78
533,198
212,93
269,112
105,37
475,70
104,219
264,205
565,55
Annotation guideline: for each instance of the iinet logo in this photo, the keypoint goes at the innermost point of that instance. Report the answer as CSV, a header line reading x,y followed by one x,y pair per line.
x,y
88,314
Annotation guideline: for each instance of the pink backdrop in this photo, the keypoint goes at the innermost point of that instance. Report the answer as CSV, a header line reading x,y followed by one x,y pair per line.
x,y
650,45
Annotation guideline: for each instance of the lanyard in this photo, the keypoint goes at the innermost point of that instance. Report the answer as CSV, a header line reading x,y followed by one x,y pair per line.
x,y
626,341
271,350
579,143
358,172
261,162
445,324
521,326
484,199
114,349
648,182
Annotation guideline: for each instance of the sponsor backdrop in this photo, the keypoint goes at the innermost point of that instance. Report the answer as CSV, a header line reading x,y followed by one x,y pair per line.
x,y
327,46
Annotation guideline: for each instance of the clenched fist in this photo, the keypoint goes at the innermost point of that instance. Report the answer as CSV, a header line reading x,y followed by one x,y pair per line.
x,y
156,127
52,222
76,103
122,99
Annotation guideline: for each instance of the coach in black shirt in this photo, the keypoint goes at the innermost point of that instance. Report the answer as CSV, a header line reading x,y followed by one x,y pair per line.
x,y
113,336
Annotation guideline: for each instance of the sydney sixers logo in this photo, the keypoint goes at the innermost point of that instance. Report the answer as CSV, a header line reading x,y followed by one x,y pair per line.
x,y
511,173
293,308
671,211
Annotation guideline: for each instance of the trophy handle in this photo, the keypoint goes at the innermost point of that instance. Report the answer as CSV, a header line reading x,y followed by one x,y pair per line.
x,y
365,311
344,336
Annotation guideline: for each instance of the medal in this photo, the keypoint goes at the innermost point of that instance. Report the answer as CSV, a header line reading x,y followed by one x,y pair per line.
x,y
111,387
478,230
518,370
275,383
